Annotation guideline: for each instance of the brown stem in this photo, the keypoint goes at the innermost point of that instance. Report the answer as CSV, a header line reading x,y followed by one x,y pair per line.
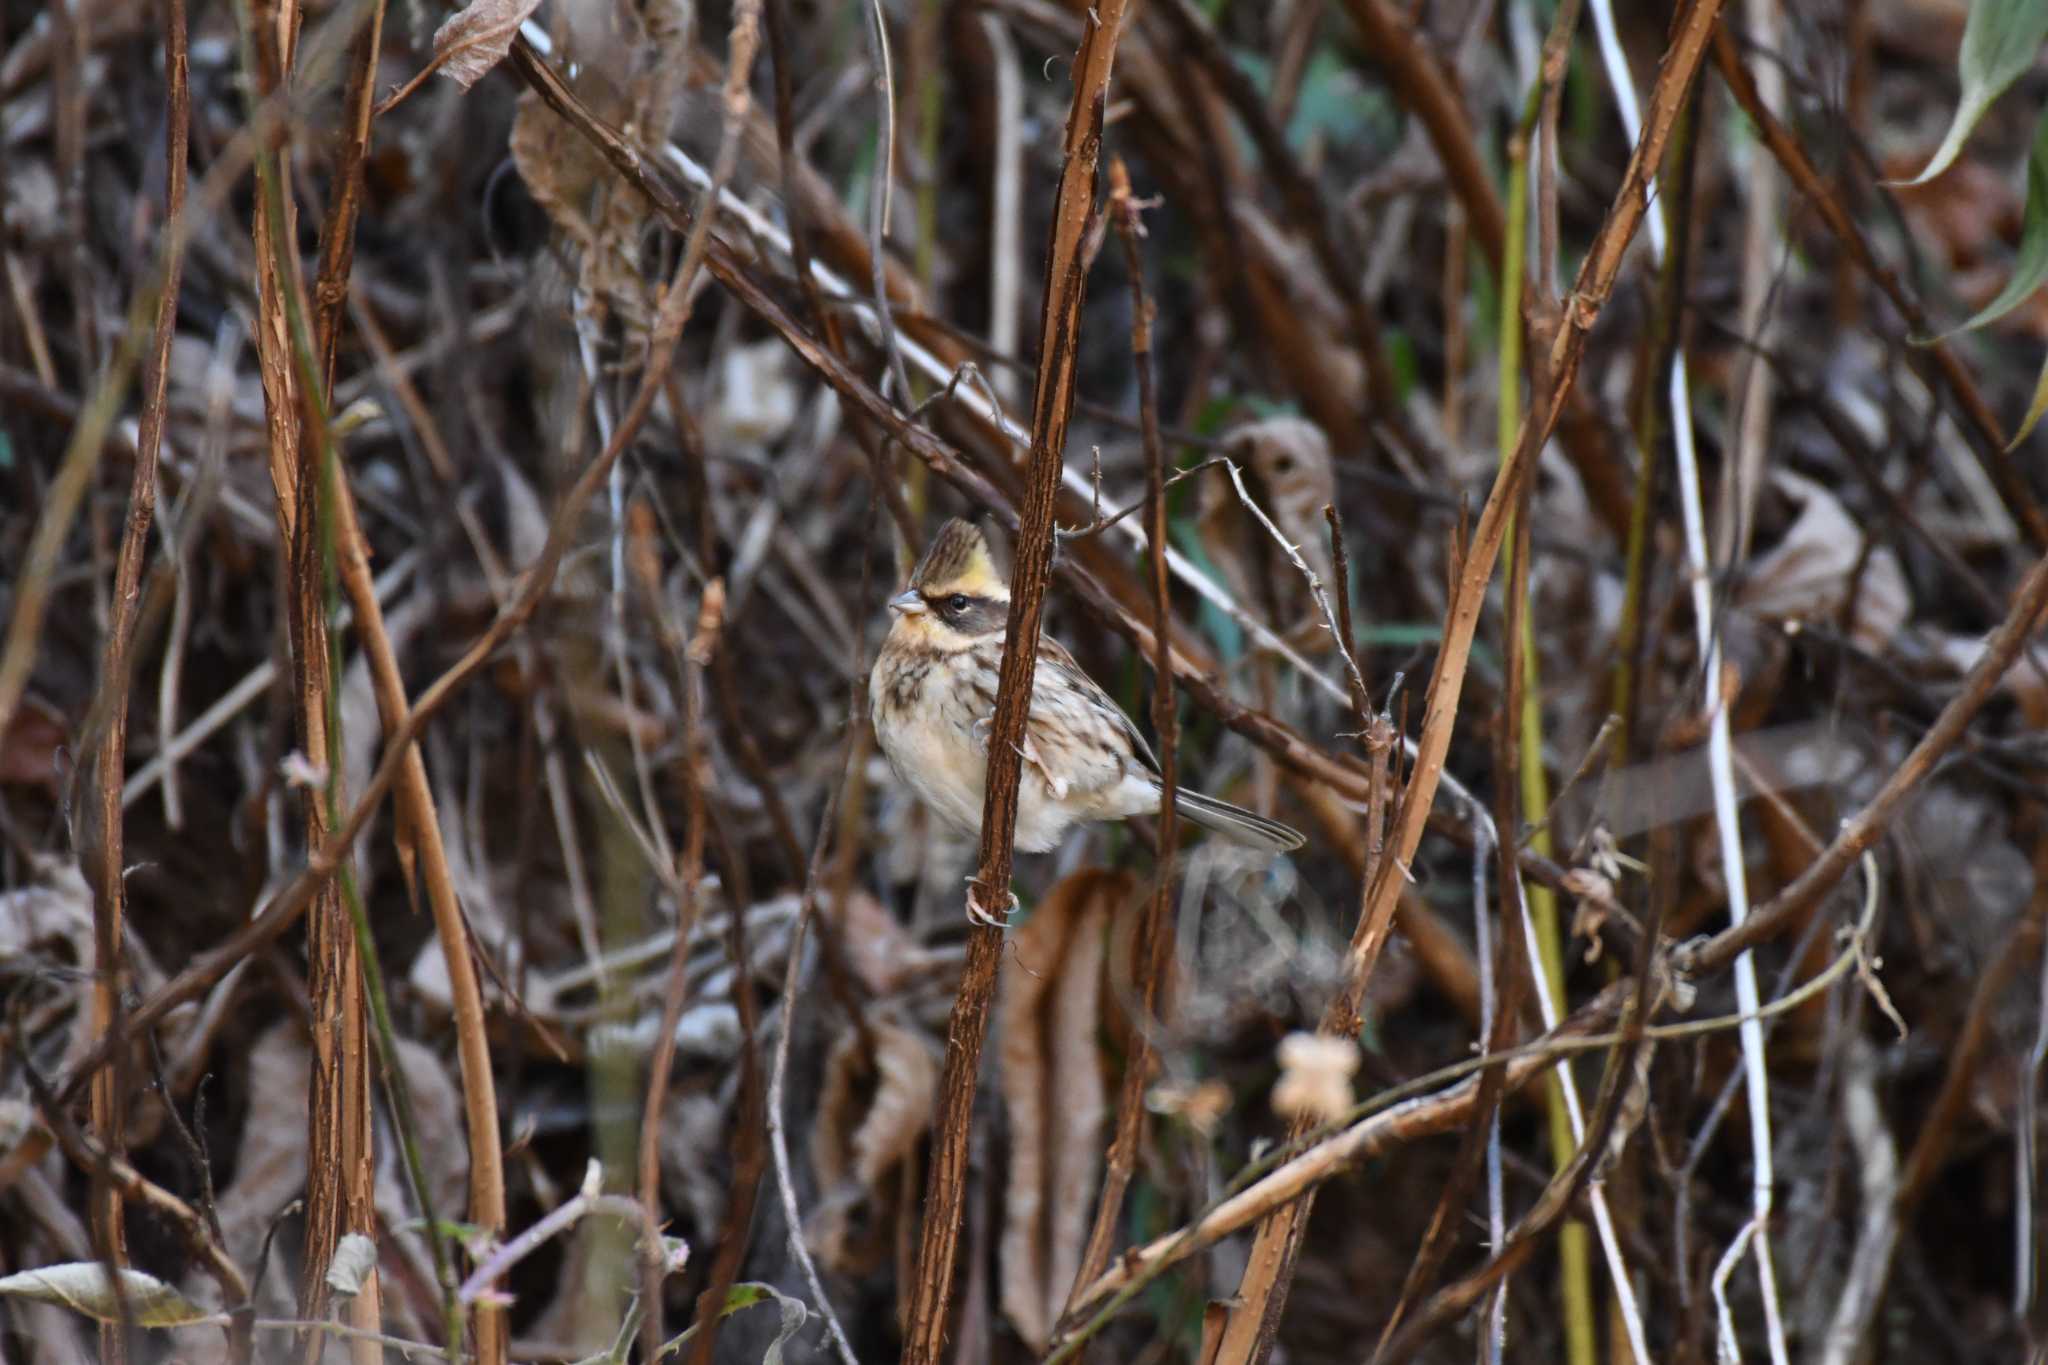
x,y
688,881
105,865
421,850
1155,936
1511,955
1052,405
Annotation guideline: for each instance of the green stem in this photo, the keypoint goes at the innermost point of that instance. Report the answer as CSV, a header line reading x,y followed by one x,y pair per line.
x,y
1574,1248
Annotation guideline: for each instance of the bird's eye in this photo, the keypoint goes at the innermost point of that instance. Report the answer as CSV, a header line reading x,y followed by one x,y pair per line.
x,y
957,602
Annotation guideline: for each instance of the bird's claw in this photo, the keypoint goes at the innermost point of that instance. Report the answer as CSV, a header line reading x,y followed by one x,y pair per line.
x,y
977,915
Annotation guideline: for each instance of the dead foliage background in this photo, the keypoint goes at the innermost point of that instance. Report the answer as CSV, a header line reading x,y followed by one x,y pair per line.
x,y
451,895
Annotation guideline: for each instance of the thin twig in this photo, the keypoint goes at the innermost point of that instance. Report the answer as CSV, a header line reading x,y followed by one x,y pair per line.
x,y
687,888
882,193
105,864
1155,935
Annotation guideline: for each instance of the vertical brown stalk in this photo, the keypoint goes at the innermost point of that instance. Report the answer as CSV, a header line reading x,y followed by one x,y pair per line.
x,y
418,833
107,1108
1052,404
339,1164
688,881
1155,935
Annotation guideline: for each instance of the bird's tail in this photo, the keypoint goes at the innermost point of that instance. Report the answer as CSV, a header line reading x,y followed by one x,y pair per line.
x,y
1236,823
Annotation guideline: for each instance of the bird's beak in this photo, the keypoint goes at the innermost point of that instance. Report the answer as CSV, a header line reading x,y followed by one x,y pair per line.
x,y
908,603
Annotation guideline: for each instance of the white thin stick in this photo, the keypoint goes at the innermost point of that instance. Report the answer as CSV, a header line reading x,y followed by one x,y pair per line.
x,y
1596,1195
1493,1339
1315,584
2024,1164
881,198
778,1139
1727,1348
1006,212
1720,747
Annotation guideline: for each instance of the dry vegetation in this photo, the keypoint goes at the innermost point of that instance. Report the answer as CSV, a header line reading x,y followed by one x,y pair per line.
x,y
446,515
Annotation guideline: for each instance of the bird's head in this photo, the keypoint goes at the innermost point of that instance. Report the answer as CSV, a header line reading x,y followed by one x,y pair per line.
x,y
957,596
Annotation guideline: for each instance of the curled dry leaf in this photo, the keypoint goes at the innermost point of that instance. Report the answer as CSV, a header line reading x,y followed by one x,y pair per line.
x,y
1810,574
1315,1076
83,1287
880,1085
348,1271
1050,1070
478,36
1289,472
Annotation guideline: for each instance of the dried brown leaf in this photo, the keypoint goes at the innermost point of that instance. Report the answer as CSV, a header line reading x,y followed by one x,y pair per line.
x,y
1811,572
1050,1069
478,36
30,748
601,223
881,952
875,1106
270,1163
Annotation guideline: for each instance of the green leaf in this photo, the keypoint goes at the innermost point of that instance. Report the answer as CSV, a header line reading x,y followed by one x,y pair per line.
x,y
2030,266
83,1287
2000,41
2035,410
746,1295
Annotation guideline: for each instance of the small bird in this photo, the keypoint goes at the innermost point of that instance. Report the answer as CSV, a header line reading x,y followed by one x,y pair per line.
x,y
933,698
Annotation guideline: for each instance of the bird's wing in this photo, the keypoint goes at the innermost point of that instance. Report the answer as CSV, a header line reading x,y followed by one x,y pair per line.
x,y
1085,694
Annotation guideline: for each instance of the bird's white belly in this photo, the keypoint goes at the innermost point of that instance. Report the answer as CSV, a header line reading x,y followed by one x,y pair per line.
x,y
945,771
949,772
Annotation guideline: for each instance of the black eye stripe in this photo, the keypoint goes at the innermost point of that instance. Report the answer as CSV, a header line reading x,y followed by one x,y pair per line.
x,y
974,614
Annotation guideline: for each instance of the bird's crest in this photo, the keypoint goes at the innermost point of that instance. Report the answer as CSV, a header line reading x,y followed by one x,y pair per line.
x,y
958,560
